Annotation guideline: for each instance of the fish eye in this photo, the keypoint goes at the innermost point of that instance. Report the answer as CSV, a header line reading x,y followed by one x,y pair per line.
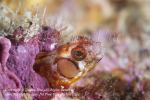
x,y
78,53
67,68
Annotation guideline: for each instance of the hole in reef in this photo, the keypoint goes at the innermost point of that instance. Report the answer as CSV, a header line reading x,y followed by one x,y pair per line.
x,y
45,28
41,66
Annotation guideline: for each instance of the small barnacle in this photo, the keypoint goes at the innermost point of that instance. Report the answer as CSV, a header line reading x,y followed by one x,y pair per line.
x,y
31,28
10,21
6,20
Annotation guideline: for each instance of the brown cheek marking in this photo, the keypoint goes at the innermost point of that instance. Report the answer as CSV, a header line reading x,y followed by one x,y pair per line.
x,y
72,64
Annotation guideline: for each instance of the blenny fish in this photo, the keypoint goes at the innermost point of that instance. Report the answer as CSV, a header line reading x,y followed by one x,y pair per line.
x,y
69,61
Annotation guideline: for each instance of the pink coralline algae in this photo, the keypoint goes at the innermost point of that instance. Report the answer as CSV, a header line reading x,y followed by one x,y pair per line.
x,y
8,79
18,57
22,56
